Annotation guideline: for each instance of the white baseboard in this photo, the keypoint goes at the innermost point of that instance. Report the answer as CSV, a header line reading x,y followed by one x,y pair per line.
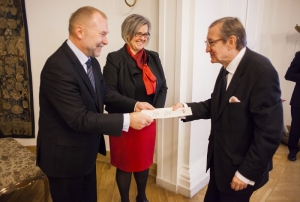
x,y
192,178
194,190
167,185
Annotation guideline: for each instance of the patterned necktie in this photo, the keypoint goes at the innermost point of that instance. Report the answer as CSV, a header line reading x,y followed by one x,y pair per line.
x,y
224,83
90,72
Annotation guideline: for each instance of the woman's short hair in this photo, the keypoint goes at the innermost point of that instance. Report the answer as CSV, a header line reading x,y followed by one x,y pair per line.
x,y
132,24
232,26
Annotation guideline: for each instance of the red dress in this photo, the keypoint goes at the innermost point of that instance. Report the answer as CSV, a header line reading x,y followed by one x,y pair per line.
x,y
133,150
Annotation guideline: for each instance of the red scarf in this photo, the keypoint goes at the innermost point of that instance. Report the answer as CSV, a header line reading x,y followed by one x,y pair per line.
x,y
149,78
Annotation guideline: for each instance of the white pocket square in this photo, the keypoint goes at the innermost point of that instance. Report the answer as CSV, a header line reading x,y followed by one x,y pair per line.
x,y
234,99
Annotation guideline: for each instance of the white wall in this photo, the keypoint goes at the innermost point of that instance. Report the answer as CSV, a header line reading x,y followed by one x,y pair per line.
x,y
279,41
48,29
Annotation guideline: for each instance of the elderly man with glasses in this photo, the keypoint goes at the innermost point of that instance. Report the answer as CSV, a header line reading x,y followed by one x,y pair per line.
x,y
245,111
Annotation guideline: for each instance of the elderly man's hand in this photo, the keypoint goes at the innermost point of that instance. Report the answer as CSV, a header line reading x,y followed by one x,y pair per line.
x,y
237,184
177,106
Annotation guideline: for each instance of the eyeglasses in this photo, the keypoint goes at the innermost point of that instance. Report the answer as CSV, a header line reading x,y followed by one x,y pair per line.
x,y
212,42
140,34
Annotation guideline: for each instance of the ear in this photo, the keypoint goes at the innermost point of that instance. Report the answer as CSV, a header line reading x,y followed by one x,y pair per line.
x,y
128,38
231,42
79,31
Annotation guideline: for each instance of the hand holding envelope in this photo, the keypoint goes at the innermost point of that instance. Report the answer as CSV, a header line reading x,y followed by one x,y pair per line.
x,y
234,99
139,106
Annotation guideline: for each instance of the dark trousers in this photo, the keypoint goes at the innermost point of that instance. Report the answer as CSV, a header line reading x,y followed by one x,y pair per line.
x,y
74,189
294,135
213,194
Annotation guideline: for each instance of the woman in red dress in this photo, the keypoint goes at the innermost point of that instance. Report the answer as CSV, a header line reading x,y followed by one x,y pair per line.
x,y
138,74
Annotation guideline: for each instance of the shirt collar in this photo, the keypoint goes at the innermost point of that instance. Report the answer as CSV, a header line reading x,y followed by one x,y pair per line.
x,y
236,61
79,54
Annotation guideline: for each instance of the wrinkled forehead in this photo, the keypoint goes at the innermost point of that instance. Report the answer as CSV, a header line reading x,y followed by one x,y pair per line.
x,y
214,32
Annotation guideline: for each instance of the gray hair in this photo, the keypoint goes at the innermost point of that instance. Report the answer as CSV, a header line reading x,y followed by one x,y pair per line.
x,y
232,26
132,24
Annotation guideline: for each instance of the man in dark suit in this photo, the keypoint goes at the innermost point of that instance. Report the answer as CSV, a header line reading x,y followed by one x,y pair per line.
x,y
71,122
246,122
293,74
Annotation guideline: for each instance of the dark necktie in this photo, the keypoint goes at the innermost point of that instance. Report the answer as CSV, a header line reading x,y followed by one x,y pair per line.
x,y
223,84
90,72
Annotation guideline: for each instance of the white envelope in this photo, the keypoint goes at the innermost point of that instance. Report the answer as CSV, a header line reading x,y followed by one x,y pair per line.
x,y
162,113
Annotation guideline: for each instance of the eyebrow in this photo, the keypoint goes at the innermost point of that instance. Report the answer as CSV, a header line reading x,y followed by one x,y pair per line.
x,y
104,32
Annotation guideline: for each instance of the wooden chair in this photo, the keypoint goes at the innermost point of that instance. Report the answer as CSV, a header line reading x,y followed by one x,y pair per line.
x,y
18,168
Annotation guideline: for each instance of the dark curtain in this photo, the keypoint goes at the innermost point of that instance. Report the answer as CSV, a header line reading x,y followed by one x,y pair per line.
x,y
16,102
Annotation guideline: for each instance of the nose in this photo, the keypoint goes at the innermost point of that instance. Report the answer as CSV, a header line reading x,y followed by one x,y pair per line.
x,y
207,48
105,41
144,37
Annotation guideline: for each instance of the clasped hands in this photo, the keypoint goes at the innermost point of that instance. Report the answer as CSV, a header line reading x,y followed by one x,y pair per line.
x,y
139,120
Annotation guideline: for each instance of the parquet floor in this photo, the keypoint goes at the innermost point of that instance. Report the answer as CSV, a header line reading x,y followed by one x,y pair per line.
x,y
283,186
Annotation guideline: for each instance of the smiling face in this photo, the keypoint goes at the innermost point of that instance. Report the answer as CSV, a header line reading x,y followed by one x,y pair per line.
x,y
139,42
94,36
219,51
89,32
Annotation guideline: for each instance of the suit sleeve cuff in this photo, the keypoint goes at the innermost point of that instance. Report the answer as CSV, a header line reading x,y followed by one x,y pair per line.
x,y
242,178
185,106
126,122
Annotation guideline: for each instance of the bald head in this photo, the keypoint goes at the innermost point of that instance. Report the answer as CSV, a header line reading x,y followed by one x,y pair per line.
x,y
83,16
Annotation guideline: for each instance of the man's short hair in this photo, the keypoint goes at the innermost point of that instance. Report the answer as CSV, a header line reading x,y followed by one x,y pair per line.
x,y
82,15
232,26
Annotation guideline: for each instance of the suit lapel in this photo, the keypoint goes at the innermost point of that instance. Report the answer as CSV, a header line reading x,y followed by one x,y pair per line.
x,y
133,68
235,82
216,94
80,70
